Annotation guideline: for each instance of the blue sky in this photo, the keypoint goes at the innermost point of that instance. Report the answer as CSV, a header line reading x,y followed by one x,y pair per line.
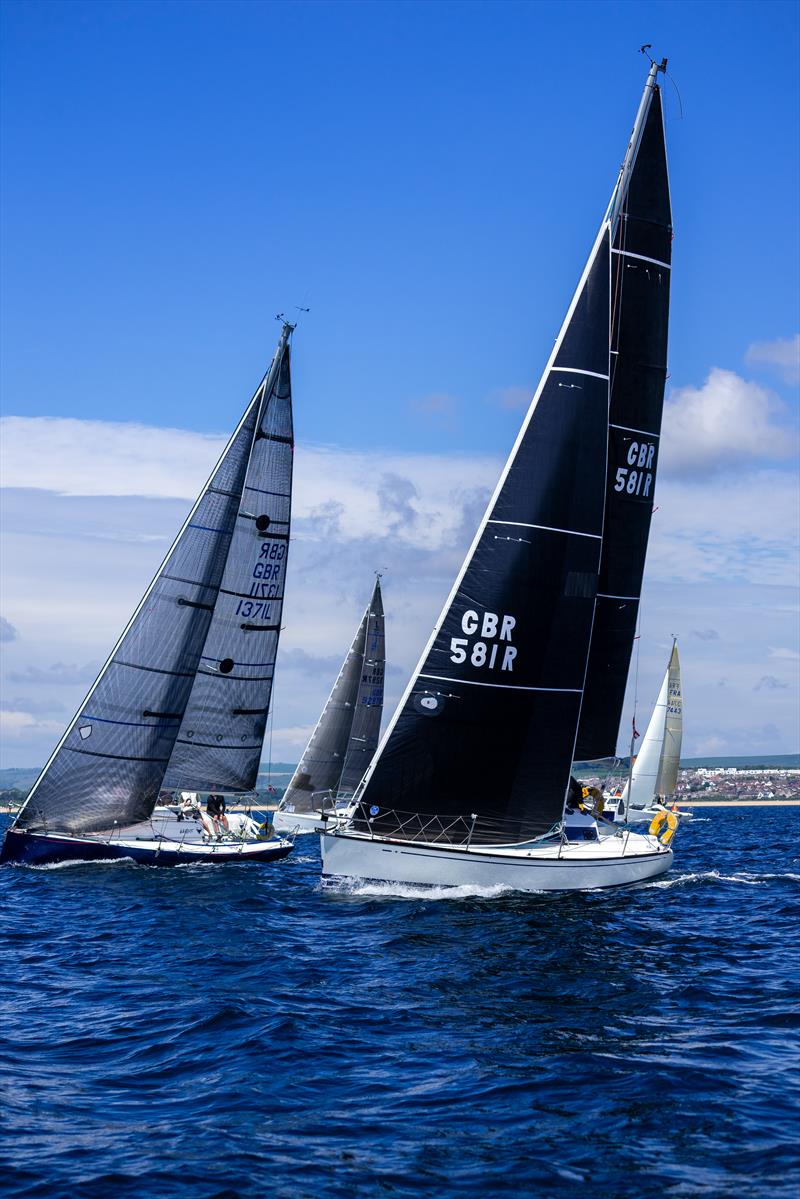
x,y
428,178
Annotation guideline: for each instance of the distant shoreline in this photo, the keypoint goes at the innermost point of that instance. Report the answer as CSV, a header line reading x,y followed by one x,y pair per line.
x,y
683,803
738,803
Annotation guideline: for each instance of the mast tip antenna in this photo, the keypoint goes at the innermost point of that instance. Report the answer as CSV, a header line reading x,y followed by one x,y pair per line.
x,y
661,66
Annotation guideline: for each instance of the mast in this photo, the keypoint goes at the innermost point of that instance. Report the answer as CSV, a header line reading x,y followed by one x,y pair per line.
x,y
108,766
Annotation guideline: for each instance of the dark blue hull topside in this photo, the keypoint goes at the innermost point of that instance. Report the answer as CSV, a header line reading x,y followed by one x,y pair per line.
x,y
39,849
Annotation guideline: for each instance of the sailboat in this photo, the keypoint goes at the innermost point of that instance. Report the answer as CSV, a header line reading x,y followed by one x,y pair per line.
x,y
526,667
346,736
654,773
182,701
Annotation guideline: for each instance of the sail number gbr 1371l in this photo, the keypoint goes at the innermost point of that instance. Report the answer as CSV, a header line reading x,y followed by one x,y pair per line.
x,y
487,651
268,584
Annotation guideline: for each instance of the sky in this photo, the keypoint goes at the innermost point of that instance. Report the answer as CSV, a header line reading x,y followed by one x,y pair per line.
x,y
428,179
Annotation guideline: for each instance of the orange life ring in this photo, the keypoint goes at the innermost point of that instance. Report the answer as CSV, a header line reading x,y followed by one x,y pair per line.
x,y
657,829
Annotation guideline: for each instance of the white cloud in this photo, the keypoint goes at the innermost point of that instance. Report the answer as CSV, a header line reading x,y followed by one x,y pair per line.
x,y
726,422
55,674
19,724
7,630
742,526
782,356
77,560
84,457
92,458
783,652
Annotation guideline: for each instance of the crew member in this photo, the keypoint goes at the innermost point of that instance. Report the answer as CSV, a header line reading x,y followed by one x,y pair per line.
x,y
215,807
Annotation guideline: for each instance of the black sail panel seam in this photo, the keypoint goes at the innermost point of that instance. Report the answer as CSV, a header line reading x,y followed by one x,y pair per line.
x,y
191,582
503,686
521,524
220,491
213,745
643,258
178,674
117,757
284,495
280,437
642,432
241,678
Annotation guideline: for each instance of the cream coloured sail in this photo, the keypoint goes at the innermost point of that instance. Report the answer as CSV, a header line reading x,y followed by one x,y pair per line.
x,y
655,771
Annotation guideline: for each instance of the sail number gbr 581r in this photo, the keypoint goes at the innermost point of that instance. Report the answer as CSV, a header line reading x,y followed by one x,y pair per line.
x,y
635,478
487,651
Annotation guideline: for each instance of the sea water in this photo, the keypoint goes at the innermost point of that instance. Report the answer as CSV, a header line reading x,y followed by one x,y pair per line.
x,y
241,1031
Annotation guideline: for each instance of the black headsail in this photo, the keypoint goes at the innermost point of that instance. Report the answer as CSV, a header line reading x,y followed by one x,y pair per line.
x,y
346,736
108,767
366,728
488,722
641,223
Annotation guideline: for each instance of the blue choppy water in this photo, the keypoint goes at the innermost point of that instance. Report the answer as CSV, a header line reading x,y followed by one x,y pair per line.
x,y
237,1031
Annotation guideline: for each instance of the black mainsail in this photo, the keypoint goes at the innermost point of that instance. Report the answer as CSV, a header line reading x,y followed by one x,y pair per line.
x,y
346,736
109,766
487,727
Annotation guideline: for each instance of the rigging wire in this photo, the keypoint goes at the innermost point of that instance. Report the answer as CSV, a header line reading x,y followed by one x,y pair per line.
x,y
680,101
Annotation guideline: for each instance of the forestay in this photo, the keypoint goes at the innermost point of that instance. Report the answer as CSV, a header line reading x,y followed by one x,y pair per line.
x,y
108,767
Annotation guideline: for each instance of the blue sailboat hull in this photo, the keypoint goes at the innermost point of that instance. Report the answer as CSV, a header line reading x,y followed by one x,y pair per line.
x,y
41,849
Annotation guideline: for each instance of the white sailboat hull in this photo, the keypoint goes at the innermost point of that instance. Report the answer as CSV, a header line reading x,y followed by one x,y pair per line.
x,y
642,815
611,862
296,822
